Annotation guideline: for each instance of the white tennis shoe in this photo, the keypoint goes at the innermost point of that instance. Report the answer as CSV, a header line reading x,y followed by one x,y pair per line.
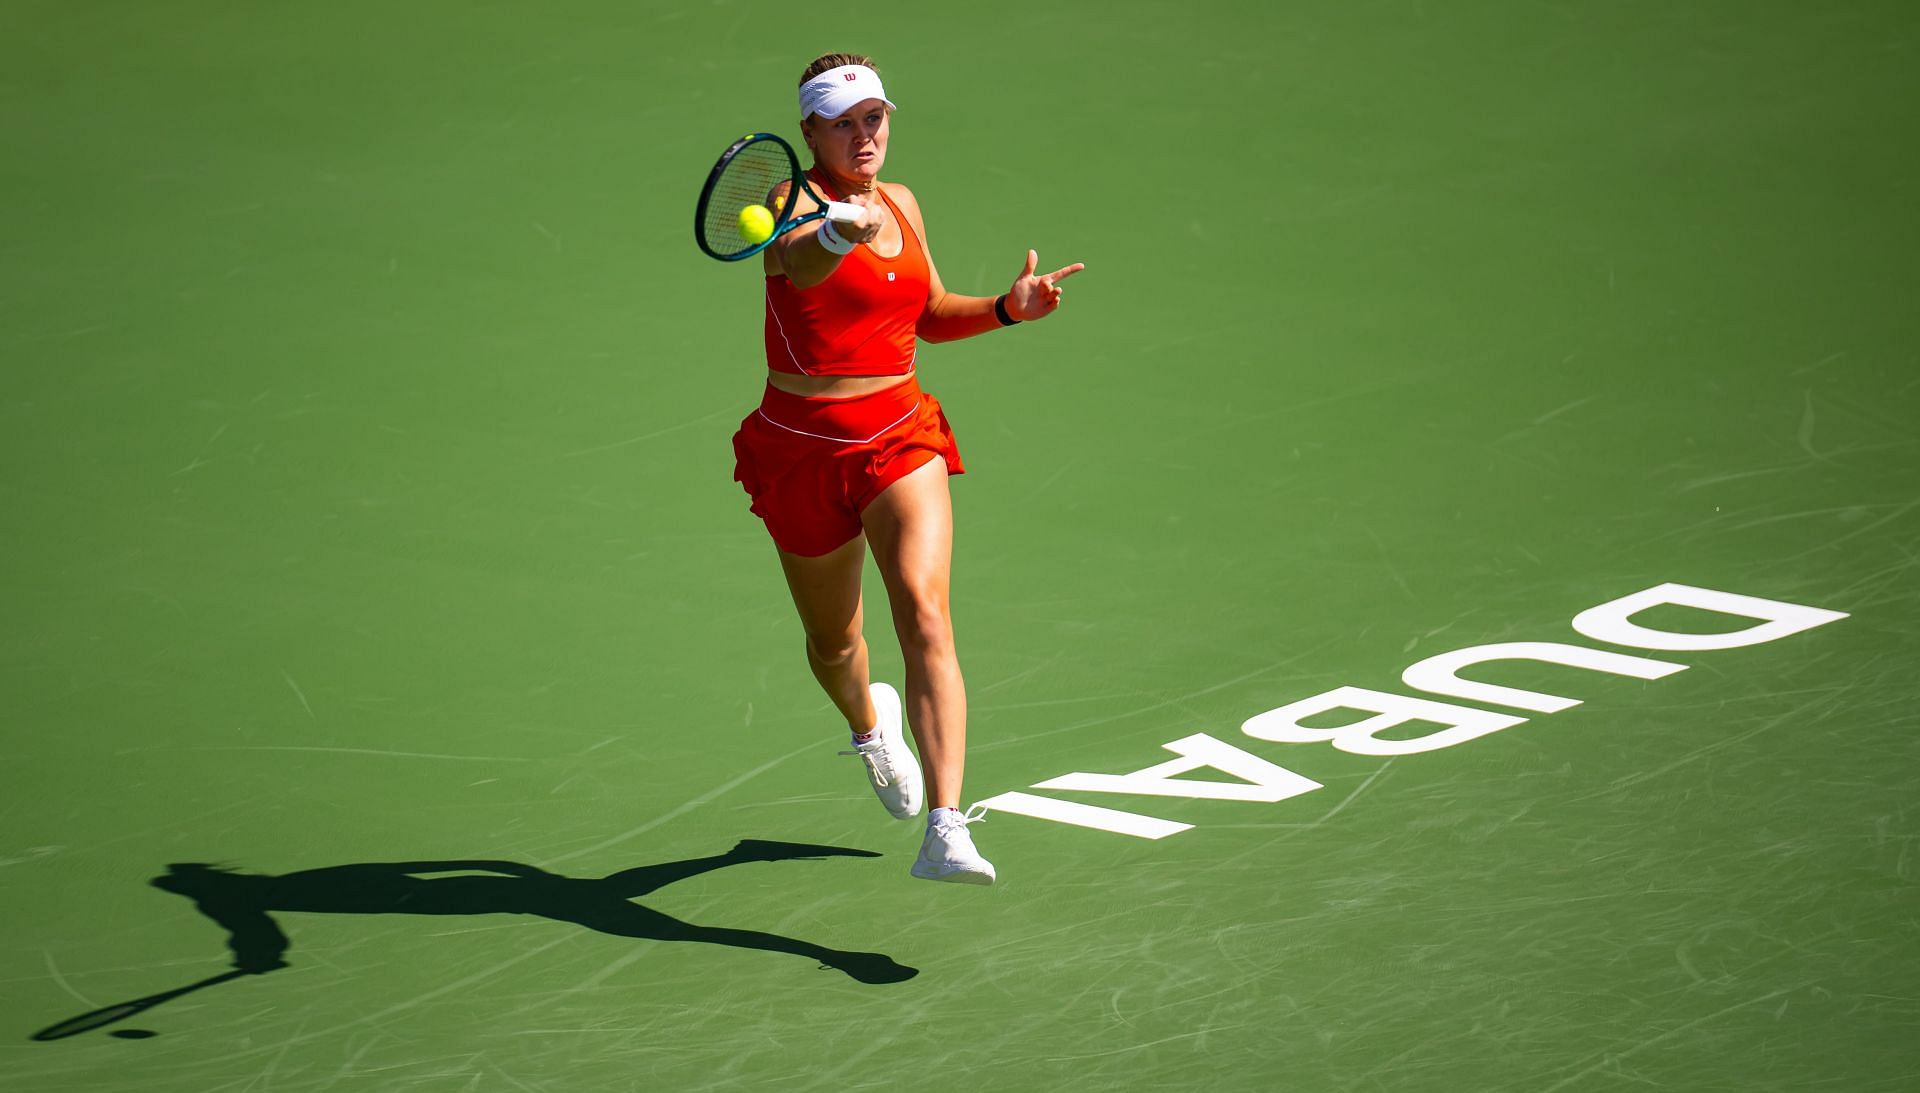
x,y
948,853
891,767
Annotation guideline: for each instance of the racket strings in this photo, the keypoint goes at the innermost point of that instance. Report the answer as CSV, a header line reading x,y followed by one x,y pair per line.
x,y
755,175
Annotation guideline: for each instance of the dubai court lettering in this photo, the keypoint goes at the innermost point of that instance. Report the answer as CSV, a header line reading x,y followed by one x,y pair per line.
x,y
1263,782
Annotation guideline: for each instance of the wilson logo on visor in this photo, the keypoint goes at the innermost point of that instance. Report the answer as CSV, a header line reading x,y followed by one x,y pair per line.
x,y
851,76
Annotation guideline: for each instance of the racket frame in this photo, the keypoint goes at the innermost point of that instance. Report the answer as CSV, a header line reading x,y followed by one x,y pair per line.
x,y
784,220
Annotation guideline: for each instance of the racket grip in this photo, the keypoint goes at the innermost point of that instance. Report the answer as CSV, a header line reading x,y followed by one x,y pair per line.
x,y
840,212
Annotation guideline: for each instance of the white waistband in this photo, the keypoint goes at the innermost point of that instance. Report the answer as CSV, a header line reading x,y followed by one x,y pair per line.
x,y
914,409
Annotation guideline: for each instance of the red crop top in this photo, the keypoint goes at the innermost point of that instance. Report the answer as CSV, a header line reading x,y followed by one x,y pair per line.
x,y
860,321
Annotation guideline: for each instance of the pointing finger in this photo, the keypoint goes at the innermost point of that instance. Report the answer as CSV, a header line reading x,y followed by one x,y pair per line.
x,y
1062,274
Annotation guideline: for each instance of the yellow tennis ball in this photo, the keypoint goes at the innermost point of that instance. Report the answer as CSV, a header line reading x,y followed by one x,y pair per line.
x,y
756,224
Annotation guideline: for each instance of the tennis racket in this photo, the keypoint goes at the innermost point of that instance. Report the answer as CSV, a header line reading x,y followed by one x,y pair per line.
x,y
757,172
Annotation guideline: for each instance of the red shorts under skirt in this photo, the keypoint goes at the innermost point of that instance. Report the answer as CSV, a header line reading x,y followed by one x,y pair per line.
x,y
811,465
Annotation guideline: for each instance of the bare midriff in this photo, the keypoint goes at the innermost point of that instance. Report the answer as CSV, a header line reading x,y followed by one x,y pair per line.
x,y
832,386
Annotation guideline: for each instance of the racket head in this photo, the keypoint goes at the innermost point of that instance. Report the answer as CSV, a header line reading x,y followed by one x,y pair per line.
x,y
107,1015
87,1022
757,169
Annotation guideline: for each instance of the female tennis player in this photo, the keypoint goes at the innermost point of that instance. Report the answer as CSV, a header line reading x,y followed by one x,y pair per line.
x,y
845,450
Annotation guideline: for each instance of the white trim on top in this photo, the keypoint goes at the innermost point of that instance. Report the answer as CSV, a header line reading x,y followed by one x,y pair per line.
x,y
782,327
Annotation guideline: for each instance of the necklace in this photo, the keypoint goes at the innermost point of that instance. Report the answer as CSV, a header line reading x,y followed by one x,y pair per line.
x,y
838,183
862,187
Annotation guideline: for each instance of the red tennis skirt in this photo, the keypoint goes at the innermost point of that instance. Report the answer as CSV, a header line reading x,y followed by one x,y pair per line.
x,y
811,465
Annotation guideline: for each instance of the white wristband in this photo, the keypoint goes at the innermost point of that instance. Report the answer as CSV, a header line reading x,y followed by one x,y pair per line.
x,y
831,240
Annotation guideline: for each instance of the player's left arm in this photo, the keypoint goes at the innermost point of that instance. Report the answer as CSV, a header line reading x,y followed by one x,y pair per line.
x,y
950,316
483,865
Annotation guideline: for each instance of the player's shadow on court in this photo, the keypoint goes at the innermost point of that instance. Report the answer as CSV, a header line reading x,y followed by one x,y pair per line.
x,y
241,903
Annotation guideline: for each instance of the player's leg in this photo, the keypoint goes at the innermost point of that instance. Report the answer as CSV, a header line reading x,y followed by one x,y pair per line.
x,y
618,917
826,591
642,879
910,525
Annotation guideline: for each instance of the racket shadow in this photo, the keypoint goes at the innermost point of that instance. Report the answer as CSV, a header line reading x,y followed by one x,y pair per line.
x,y
242,903
107,1015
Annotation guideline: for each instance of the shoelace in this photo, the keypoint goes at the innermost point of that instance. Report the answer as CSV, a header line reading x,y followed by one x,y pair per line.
x,y
880,777
976,813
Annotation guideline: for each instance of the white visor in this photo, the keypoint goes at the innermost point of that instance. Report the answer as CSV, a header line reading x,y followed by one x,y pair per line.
x,y
838,90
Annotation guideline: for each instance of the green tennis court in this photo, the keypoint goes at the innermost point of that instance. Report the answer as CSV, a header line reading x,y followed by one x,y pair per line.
x,y
374,579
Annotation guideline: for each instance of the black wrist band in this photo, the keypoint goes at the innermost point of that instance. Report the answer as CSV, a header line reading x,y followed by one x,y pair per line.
x,y
1000,311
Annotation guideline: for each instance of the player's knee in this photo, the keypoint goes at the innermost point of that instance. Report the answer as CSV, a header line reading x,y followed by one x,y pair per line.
x,y
926,623
833,649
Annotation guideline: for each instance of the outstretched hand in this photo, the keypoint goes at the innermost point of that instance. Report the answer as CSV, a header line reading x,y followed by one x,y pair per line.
x,y
1037,297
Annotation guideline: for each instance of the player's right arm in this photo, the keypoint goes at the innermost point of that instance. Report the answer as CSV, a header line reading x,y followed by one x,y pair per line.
x,y
256,941
803,258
